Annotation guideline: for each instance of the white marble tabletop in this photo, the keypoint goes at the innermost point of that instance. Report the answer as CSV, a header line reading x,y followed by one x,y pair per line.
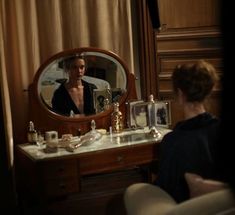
x,y
107,141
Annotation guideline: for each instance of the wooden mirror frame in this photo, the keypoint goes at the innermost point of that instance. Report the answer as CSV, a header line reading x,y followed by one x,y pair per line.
x,y
45,119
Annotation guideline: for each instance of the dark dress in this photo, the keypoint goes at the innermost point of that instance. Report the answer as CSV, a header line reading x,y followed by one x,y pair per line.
x,y
190,147
62,102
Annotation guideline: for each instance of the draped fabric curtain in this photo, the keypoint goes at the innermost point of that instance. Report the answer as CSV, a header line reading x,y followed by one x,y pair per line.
x,y
6,107
31,31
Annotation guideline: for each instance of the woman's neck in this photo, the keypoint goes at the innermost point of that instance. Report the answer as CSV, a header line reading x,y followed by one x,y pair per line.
x,y
74,83
193,109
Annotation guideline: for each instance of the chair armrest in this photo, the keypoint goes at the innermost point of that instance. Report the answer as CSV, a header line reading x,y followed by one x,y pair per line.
x,y
210,204
147,199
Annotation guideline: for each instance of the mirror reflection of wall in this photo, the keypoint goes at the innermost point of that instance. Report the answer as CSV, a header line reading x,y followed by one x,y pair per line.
x,y
48,83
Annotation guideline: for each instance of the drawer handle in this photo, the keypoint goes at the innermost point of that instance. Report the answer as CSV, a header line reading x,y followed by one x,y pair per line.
x,y
119,158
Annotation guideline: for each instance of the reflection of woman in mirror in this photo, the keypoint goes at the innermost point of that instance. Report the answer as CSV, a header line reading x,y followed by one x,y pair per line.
x,y
76,94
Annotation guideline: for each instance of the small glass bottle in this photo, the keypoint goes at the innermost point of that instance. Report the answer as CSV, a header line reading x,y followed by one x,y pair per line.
x,y
151,112
106,104
108,93
32,133
72,114
116,119
152,118
93,126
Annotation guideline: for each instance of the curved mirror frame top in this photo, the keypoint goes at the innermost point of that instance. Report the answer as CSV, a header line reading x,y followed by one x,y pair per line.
x,y
104,69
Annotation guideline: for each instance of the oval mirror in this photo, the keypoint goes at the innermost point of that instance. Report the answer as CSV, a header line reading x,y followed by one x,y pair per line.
x,y
103,69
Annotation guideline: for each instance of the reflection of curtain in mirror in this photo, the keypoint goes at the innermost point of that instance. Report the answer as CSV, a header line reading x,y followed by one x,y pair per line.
x,y
32,31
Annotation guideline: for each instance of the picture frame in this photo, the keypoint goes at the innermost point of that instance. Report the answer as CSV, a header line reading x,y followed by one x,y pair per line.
x,y
101,97
131,118
140,114
146,114
161,113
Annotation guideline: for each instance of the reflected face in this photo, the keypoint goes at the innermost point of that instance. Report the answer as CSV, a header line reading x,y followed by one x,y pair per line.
x,y
77,69
100,69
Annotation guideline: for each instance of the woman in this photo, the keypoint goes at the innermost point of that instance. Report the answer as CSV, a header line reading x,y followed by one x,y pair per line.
x,y
191,146
76,95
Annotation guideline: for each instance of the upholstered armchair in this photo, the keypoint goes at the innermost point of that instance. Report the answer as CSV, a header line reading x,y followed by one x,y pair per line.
x,y
148,199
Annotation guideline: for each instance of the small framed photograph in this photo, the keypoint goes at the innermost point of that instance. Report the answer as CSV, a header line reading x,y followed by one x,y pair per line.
x,y
99,99
138,114
131,111
162,116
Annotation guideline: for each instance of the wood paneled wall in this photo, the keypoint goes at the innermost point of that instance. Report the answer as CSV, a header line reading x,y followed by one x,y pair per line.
x,y
178,14
190,30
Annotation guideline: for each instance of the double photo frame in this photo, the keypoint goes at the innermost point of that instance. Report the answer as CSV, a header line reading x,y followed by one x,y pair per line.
x,y
143,114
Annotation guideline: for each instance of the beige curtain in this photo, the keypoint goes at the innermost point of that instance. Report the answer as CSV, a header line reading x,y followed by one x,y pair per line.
x,y
6,106
33,30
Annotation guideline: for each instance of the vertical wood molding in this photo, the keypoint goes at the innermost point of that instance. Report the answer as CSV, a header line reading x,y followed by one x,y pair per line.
x,y
148,73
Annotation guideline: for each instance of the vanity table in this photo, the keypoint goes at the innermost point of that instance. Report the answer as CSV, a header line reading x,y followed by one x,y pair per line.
x,y
106,67
92,178
86,180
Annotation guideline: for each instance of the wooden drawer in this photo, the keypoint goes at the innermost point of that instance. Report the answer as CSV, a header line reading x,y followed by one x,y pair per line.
x,y
59,177
61,186
111,181
59,169
116,159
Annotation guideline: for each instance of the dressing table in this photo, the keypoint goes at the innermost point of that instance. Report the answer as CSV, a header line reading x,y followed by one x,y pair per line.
x,y
89,170
105,66
92,178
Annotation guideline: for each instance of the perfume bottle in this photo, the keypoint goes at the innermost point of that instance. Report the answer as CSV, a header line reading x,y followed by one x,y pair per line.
x,y
152,118
32,133
72,114
116,119
93,126
151,112
106,104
